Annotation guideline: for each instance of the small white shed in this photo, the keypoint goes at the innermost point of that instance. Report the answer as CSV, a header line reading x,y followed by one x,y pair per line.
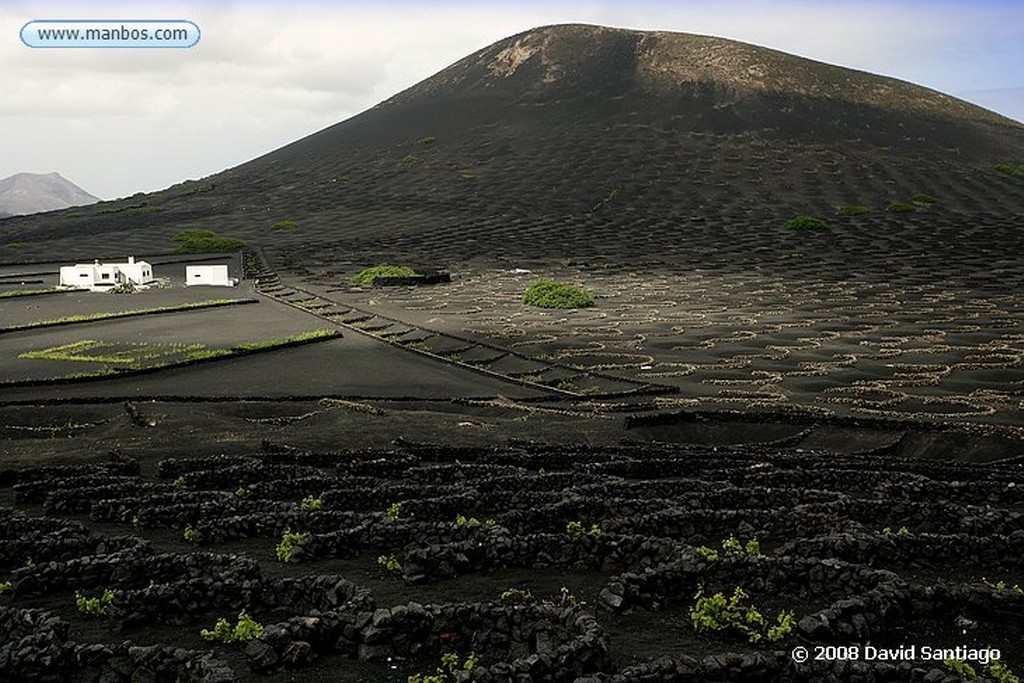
x,y
216,275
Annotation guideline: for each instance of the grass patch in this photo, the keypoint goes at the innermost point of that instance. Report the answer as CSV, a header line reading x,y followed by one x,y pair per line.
x,y
1011,170
271,343
198,241
133,355
206,354
141,210
551,294
120,357
90,317
24,292
429,140
16,245
923,199
285,226
900,207
410,159
367,276
852,210
806,223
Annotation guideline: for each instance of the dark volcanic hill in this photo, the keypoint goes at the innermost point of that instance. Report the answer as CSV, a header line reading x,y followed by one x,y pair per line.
x,y
587,142
25,193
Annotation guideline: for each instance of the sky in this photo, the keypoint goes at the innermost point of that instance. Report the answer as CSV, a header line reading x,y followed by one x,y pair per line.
x,y
268,72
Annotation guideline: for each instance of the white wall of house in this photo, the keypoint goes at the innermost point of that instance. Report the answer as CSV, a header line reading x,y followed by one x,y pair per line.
x,y
208,275
98,275
139,272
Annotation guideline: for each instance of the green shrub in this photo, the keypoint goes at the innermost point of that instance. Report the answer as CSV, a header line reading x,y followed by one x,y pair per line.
x,y
462,520
410,159
1011,170
449,671
141,210
900,207
190,534
393,512
245,629
806,223
389,562
1001,673
709,553
94,607
284,225
718,613
311,503
551,294
369,275
222,632
288,541
199,241
784,624
429,140
852,210
6,587
733,547
16,245
577,529
961,668
923,199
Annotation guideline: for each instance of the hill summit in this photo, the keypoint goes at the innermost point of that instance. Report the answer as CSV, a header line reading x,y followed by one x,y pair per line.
x,y
583,141
25,193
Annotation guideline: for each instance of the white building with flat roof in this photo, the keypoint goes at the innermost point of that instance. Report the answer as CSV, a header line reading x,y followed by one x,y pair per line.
x,y
98,276
216,275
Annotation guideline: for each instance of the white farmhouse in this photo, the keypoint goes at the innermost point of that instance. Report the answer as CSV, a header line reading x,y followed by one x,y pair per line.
x,y
101,276
216,275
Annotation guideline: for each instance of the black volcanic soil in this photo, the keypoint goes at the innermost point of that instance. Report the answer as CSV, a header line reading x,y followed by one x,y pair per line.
x,y
957,523
851,398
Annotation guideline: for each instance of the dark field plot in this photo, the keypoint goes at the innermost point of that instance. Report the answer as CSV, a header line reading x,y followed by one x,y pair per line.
x,y
567,562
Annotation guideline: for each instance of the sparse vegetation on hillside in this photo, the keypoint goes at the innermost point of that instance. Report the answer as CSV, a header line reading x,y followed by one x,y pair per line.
x,y
806,223
198,241
551,294
923,199
368,275
285,226
1011,170
900,207
852,210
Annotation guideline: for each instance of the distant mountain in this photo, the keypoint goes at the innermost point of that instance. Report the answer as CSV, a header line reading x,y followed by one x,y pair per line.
x,y
24,193
581,142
